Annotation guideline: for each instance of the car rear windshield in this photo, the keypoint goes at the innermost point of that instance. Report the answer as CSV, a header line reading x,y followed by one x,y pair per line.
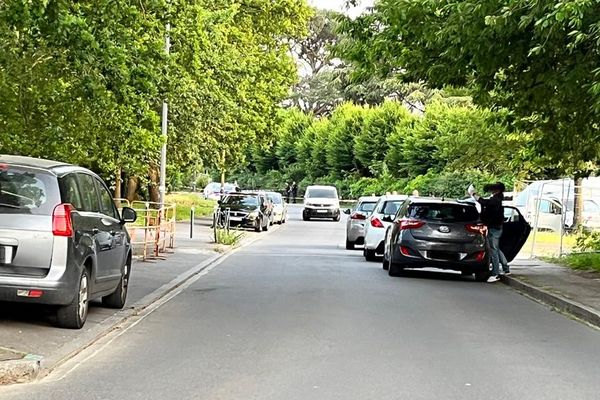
x,y
27,191
249,201
444,212
366,206
322,193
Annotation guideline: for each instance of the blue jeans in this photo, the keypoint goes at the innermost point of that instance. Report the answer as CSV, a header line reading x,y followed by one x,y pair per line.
x,y
498,257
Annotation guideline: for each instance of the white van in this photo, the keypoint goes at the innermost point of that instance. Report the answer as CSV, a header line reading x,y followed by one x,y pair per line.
x,y
321,202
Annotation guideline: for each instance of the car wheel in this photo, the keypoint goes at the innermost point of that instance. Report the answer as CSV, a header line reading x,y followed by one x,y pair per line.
x,y
370,255
118,298
73,316
336,219
305,217
349,245
482,276
386,263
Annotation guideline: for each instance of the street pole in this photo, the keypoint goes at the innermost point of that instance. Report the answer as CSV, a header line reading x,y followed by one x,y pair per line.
x,y
164,124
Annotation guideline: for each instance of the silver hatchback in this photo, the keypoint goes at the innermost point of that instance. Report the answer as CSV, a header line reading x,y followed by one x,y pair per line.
x,y
355,225
62,240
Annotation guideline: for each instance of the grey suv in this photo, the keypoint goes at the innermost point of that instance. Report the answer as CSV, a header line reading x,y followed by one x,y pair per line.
x,y
62,240
447,235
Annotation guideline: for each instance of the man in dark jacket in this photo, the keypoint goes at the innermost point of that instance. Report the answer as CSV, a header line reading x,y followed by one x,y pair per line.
x,y
492,216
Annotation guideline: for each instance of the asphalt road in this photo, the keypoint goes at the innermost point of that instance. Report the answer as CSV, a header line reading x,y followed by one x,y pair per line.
x,y
297,317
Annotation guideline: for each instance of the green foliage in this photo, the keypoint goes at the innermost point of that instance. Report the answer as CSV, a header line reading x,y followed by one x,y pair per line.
x,y
83,81
184,203
587,240
229,237
537,59
580,261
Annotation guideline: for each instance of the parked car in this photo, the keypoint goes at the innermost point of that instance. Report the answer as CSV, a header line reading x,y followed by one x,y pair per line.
x,y
432,233
355,225
62,240
379,220
280,207
321,202
246,210
212,191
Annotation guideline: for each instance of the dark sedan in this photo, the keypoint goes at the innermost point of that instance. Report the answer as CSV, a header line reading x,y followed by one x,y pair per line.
x,y
433,233
247,210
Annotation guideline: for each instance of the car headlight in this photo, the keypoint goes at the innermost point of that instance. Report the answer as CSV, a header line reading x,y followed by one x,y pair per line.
x,y
253,214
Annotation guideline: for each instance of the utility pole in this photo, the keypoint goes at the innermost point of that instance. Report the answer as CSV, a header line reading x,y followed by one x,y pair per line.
x,y
164,124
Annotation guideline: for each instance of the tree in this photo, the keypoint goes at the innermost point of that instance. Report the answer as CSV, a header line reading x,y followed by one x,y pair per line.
x,y
537,59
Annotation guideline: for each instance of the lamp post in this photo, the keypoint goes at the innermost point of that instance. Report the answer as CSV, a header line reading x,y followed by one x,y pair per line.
x,y
164,124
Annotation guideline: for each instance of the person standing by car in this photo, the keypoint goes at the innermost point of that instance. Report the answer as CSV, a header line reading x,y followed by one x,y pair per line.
x,y
492,216
288,191
294,191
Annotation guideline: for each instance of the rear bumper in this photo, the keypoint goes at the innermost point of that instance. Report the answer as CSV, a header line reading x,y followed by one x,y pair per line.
x,y
58,286
465,261
356,233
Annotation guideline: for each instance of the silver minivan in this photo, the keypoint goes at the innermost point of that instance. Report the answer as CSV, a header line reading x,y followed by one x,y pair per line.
x,y
62,239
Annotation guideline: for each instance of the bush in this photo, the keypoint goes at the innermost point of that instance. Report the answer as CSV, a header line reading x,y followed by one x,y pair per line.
x,y
587,241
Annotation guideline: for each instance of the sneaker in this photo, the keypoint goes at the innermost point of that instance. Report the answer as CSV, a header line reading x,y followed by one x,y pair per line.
x,y
493,279
507,273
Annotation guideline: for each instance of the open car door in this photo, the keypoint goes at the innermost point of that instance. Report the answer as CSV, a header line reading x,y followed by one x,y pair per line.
x,y
514,232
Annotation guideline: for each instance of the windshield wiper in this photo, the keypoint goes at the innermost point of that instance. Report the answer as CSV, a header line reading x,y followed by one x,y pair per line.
x,y
10,206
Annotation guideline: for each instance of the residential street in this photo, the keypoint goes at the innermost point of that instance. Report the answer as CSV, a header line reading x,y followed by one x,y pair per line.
x,y
295,316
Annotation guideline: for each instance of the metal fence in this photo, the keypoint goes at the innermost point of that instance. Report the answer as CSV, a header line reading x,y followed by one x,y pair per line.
x,y
154,230
551,207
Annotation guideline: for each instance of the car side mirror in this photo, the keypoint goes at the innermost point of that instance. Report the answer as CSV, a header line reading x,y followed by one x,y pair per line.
x,y
128,215
347,211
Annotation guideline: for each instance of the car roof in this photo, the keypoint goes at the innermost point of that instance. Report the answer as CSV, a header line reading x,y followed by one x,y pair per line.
x,y
368,198
321,187
243,194
436,200
32,162
394,197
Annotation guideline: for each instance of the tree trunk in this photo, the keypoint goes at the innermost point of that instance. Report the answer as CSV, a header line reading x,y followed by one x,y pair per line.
x,y
132,187
154,175
118,181
578,204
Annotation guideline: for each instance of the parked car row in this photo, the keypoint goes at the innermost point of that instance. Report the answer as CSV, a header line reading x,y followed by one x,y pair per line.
x,y
254,210
63,242
414,232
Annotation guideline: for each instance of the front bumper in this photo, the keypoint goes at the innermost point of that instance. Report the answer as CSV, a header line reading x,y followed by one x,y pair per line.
x,y
311,212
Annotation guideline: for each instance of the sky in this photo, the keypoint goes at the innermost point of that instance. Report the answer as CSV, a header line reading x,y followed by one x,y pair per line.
x,y
338,5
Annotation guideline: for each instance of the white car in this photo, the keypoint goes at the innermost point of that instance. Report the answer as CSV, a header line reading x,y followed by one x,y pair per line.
x,y
378,222
279,207
321,202
212,191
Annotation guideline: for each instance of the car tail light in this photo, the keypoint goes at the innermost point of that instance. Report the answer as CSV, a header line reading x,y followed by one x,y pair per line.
x,y
62,223
358,216
410,224
405,251
376,223
476,228
480,256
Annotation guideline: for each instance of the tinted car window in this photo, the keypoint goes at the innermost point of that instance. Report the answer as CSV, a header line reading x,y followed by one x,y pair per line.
x,y
89,195
248,201
70,191
322,193
107,206
26,191
366,206
443,212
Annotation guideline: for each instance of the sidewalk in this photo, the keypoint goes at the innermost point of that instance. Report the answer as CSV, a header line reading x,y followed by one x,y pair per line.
x,y
28,330
573,292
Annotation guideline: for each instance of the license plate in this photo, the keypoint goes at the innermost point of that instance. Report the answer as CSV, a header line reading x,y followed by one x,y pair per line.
x,y
6,254
236,219
322,211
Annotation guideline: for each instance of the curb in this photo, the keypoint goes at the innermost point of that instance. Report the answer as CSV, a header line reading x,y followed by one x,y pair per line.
x,y
556,301
33,367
